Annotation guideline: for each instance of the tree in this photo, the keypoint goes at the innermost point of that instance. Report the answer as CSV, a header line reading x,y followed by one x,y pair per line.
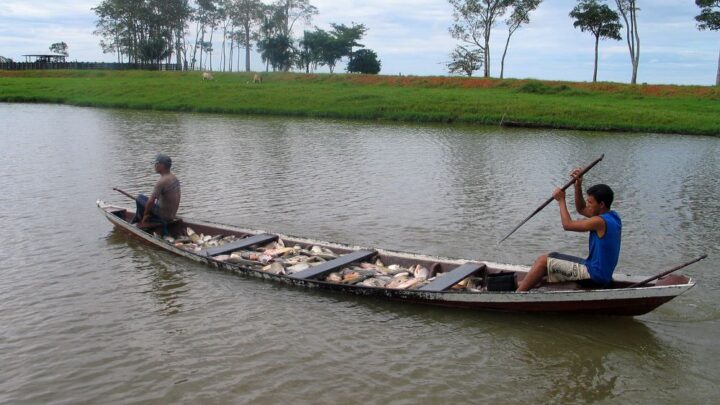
x,y
204,16
128,27
59,48
519,16
277,51
278,22
628,10
291,11
465,60
247,14
154,50
311,48
364,61
709,19
600,20
474,20
328,48
343,40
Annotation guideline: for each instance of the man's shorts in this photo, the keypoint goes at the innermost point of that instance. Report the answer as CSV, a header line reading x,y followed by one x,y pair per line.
x,y
565,268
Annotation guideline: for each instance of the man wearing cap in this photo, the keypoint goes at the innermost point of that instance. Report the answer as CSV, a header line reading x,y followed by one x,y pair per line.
x,y
164,201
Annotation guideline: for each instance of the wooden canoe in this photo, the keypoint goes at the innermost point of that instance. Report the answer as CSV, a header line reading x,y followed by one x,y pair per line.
x,y
438,290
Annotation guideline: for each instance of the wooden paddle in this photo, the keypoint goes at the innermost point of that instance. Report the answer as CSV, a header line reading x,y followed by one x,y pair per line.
x,y
128,195
665,273
570,183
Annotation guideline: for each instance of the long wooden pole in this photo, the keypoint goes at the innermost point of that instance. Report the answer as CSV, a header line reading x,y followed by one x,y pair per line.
x,y
128,195
665,273
545,204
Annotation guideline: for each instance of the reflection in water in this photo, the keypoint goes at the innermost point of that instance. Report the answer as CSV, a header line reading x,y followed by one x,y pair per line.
x,y
85,311
166,284
589,366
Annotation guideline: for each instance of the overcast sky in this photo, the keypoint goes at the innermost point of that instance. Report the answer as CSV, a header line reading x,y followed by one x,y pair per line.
x,y
411,38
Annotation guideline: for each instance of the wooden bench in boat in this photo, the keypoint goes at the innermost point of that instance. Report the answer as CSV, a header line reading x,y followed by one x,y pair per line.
x,y
453,277
327,267
239,244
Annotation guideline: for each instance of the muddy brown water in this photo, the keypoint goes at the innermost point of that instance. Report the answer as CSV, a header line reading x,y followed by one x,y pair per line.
x,y
88,315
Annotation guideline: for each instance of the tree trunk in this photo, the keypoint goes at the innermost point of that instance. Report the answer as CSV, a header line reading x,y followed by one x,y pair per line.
x,y
629,15
247,47
222,56
210,52
717,78
502,62
636,48
232,47
194,55
202,46
597,43
487,54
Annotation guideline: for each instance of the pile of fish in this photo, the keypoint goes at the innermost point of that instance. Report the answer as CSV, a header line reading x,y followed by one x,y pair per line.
x,y
277,258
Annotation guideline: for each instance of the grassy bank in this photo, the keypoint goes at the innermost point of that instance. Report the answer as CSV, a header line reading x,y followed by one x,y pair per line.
x,y
602,106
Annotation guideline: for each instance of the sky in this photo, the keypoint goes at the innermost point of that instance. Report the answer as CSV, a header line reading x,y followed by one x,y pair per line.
x,y
411,38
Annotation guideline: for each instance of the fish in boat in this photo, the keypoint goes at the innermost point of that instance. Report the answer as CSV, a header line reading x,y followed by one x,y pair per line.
x,y
393,275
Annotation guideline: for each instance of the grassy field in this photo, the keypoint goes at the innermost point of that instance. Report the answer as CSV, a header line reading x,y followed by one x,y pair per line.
x,y
601,106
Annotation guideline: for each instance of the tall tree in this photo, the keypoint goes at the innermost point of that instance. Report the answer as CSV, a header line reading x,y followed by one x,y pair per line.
x,y
60,48
311,47
136,28
465,60
341,43
292,11
247,15
628,10
204,17
473,22
277,51
519,16
598,19
709,19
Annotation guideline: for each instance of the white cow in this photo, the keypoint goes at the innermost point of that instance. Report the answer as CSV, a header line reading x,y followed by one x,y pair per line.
x,y
207,76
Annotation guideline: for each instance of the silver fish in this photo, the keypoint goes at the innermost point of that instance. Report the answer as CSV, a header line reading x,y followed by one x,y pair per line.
x,y
275,268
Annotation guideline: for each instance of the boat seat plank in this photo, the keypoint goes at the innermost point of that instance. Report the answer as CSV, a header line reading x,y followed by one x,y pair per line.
x,y
327,267
239,244
453,277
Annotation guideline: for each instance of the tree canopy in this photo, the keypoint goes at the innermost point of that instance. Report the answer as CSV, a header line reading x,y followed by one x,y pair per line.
x,y
364,61
598,19
473,23
465,60
60,48
709,17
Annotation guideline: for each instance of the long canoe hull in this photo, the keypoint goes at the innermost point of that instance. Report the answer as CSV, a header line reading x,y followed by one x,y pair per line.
x,y
614,301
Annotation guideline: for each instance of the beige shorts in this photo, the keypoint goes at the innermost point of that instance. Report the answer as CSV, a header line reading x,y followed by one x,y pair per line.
x,y
565,268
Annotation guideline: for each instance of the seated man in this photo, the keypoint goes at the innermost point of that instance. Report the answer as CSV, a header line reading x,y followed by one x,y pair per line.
x,y
605,230
163,203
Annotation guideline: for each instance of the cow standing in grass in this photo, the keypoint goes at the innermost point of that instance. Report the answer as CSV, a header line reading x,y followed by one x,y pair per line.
x,y
207,76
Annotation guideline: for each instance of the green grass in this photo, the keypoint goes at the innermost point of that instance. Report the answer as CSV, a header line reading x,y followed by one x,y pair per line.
x,y
602,106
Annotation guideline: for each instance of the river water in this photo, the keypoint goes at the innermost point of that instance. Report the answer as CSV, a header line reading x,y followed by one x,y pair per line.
x,y
88,315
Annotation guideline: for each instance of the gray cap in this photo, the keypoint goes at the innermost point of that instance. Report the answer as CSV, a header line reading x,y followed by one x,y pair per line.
x,y
163,160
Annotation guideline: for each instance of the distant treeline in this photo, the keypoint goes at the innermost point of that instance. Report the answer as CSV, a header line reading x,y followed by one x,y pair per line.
x,y
87,66
183,31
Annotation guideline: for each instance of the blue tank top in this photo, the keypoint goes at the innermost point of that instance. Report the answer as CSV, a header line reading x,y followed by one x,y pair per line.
x,y
605,251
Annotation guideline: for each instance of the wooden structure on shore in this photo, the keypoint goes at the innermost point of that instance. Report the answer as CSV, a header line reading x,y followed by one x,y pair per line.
x,y
50,58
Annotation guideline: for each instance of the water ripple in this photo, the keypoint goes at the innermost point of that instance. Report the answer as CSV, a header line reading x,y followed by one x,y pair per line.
x,y
91,315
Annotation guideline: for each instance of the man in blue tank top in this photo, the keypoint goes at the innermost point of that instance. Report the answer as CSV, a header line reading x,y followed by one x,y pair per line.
x,y
605,230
